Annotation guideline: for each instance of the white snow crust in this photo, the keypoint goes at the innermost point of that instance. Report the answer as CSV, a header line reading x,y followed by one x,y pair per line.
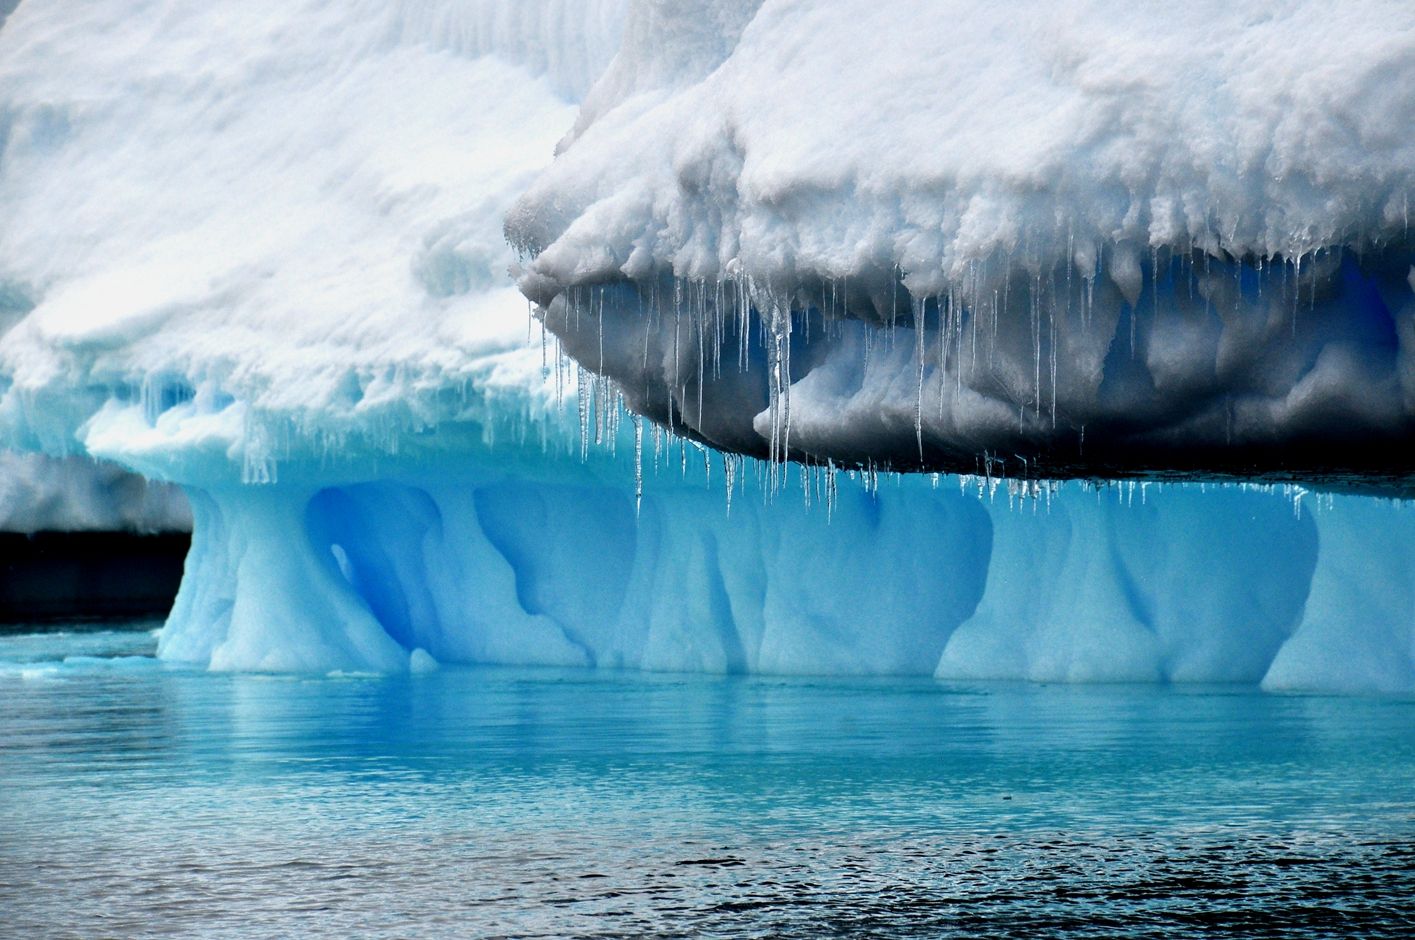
x,y
788,138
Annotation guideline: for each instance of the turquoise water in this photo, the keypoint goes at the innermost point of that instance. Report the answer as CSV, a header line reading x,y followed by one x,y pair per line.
x,y
139,799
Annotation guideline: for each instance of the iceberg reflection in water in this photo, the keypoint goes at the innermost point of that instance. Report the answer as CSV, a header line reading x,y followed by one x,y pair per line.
x,y
149,799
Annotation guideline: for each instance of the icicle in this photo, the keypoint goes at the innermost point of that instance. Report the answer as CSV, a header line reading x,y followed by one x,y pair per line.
x,y
638,464
599,319
599,395
1037,345
945,311
702,362
786,385
544,352
1312,295
559,375
729,472
919,322
1052,344
677,329
583,392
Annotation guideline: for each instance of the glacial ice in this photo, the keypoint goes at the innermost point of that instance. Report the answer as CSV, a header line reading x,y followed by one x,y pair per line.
x,y
258,251
1182,584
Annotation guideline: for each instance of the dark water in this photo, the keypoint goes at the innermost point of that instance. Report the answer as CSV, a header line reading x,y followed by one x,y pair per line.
x,y
144,800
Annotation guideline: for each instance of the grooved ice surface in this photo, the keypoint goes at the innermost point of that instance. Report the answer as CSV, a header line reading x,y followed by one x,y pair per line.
x,y
1174,584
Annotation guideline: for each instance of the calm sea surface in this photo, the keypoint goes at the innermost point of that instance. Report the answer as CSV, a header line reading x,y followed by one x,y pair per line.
x,y
138,799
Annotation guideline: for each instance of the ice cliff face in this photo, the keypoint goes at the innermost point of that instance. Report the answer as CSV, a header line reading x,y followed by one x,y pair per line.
x,y
1173,585
258,251
1079,239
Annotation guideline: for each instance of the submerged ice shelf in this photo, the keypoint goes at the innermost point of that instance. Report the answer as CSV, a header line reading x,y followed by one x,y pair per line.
x,y
263,258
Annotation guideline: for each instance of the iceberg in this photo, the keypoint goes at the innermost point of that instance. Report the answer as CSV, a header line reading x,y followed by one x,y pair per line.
x,y
260,253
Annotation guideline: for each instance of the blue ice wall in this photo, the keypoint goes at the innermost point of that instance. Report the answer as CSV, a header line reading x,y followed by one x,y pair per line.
x,y
1165,584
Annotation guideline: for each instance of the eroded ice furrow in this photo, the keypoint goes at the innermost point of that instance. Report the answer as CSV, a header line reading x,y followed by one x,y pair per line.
x,y
1187,584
